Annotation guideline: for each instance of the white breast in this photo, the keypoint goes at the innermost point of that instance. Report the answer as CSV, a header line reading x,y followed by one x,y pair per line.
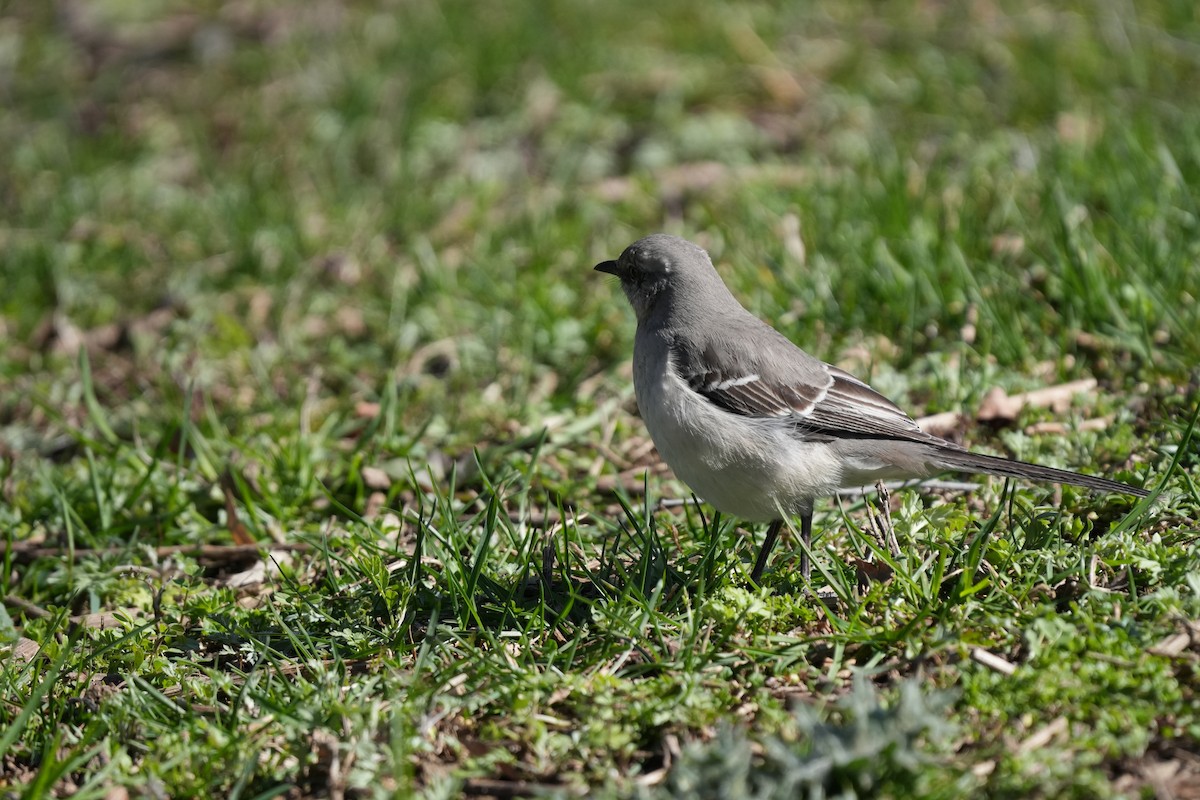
x,y
748,468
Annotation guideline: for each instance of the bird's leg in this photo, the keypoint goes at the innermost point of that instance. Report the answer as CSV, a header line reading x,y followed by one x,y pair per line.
x,y
805,540
888,529
768,544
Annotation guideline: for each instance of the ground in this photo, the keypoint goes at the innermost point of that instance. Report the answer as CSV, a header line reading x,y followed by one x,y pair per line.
x,y
320,469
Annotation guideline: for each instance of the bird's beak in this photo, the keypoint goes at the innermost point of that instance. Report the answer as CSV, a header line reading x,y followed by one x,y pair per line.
x,y
611,267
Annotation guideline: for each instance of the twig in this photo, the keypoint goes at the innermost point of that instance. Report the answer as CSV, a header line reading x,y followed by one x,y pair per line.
x,y
30,609
992,661
940,485
100,619
216,552
932,484
499,788
1043,736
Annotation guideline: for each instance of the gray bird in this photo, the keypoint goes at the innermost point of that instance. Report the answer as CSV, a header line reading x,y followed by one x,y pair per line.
x,y
753,424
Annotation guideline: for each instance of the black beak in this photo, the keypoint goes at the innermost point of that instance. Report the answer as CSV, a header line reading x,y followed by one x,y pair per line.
x,y
611,267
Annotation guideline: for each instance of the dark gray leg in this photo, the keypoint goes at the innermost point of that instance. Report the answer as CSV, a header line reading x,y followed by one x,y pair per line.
x,y
768,544
806,539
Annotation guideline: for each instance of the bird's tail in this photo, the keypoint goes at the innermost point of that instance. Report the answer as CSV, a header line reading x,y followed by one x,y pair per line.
x,y
964,461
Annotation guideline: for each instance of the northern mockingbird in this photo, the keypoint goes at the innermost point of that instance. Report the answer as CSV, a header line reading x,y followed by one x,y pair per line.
x,y
752,423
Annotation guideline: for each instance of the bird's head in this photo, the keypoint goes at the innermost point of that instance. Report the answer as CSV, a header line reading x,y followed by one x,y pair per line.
x,y
657,269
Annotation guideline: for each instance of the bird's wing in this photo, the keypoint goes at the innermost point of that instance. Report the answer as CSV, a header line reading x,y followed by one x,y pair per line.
x,y
818,399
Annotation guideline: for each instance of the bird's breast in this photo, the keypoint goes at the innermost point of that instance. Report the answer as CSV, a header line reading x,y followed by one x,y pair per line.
x,y
746,467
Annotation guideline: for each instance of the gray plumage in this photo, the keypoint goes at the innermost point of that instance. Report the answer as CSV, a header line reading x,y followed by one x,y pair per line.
x,y
752,423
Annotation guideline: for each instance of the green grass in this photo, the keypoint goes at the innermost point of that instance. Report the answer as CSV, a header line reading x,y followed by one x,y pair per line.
x,y
319,277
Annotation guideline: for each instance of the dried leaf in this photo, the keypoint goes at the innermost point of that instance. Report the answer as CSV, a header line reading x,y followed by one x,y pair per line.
x,y
376,478
258,572
999,406
1061,429
869,573
239,532
944,424
1172,645
106,620
23,650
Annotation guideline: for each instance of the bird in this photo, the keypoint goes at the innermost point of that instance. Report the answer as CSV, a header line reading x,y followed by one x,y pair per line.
x,y
756,426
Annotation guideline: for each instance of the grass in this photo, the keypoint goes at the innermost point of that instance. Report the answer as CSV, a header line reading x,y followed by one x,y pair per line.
x,y
320,473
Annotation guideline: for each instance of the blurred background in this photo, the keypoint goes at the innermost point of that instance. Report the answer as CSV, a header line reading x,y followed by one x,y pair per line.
x,y
273,201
